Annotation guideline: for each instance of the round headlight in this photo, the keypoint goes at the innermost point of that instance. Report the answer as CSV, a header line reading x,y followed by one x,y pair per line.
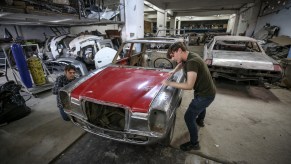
x,y
65,99
157,121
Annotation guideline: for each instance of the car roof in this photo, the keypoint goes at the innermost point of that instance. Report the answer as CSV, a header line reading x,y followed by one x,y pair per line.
x,y
236,38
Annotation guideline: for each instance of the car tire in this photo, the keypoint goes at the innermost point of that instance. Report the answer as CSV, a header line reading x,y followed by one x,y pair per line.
x,y
167,140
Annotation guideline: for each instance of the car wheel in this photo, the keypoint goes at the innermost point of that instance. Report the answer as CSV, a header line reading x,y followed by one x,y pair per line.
x,y
167,140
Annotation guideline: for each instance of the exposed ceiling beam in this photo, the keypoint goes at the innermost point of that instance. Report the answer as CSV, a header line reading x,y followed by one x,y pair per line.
x,y
190,6
206,13
197,4
195,18
150,12
158,3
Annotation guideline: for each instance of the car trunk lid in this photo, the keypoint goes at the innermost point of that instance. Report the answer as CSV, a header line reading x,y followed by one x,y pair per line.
x,y
245,60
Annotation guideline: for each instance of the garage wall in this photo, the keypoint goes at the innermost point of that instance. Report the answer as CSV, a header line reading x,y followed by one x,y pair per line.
x,y
230,24
248,18
147,27
27,32
281,19
243,24
78,29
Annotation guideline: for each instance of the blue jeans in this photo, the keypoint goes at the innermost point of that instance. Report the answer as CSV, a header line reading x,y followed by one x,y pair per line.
x,y
197,108
64,115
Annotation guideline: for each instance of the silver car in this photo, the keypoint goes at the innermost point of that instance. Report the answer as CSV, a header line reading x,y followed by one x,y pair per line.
x,y
240,58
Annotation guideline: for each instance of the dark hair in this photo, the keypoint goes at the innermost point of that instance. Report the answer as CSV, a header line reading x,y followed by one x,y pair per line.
x,y
174,47
70,67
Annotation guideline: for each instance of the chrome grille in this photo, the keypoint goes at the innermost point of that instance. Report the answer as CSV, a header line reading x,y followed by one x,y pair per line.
x,y
104,116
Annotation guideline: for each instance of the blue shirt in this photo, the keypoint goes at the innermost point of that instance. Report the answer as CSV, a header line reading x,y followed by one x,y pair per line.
x,y
60,83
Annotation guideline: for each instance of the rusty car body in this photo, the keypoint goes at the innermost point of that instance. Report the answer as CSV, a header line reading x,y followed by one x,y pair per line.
x,y
81,51
174,33
240,58
125,100
194,38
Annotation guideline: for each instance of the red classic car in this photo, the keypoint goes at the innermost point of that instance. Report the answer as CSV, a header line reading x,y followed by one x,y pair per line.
x,y
125,101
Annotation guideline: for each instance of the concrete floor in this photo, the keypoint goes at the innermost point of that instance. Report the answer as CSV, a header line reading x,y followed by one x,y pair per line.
x,y
38,137
92,149
245,124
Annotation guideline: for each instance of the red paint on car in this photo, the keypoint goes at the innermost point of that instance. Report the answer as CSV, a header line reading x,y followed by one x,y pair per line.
x,y
131,87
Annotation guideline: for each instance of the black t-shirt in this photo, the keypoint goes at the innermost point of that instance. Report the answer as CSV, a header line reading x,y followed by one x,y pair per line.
x,y
204,85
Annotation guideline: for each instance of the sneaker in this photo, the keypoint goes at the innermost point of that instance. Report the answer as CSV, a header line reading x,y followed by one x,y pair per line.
x,y
189,146
200,123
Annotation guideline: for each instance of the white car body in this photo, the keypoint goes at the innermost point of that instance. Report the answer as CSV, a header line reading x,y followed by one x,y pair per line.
x,y
240,58
83,41
55,47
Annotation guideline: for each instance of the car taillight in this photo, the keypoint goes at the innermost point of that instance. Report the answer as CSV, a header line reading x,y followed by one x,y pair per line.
x,y
208,61
277,67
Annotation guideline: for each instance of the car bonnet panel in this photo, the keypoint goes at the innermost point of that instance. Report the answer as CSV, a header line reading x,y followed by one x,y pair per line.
x,y
134,88
246,60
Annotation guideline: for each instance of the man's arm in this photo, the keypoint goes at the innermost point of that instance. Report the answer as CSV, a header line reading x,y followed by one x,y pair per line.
x,y
177,68
188,85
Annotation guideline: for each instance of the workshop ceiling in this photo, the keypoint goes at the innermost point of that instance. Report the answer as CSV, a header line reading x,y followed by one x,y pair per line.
x,y
176,8
201,7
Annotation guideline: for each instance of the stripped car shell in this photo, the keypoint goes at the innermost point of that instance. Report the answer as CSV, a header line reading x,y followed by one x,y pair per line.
x,y
174,33
59,46
126,101
86,47
194,38
240,58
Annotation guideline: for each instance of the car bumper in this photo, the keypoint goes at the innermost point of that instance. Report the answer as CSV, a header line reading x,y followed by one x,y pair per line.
x,y
132,136
244,74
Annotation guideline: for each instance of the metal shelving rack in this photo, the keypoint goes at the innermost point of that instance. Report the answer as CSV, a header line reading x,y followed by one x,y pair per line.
x,y
35,89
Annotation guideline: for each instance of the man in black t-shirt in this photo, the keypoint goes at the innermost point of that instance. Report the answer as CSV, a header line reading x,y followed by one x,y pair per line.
x,y
199,79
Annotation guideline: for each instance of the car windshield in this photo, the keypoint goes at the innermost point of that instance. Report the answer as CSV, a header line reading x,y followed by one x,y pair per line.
x,y
227,45
150,55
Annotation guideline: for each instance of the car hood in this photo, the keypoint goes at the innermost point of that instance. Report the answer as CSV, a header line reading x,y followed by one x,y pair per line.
x,y
132,88
246,60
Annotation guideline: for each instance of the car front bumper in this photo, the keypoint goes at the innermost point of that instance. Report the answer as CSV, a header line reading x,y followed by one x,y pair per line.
x,y
127,136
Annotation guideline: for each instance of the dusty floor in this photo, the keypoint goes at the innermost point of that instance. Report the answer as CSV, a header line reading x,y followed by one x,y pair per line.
x,y
245,124
38,137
